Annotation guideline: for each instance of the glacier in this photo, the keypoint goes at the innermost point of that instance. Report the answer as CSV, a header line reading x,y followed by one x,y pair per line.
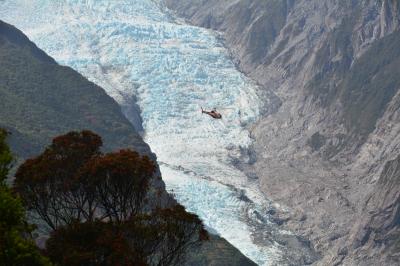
x,y
141,54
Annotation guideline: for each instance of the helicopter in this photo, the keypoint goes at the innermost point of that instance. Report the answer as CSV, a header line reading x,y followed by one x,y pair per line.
x,y
213,113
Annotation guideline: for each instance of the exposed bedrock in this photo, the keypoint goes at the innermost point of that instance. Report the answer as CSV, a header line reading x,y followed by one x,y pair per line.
x,y
320,155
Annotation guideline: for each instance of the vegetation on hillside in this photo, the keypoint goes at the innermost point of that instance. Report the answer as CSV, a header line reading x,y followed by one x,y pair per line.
x,y
41,99
16,246
94,206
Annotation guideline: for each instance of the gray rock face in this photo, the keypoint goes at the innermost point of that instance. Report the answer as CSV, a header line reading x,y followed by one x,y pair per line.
x,y
379,227
334,67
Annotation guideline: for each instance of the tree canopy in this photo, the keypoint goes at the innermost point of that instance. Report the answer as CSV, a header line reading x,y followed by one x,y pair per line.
x,y
159,238
16,245
93,204
72,181
5,156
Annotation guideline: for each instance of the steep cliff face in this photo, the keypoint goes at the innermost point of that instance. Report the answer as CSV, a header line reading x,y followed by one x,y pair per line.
x,y
334,68
303,50
378,228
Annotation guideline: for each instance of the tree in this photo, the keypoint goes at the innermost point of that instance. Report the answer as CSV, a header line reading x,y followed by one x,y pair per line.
x,y
92,244
119,183
166,234
16,246
73,181
160,238
47,185
94,204
5,156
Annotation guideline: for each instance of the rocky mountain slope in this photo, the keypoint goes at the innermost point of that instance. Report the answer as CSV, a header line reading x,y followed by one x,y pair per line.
x,y
40,99
329,74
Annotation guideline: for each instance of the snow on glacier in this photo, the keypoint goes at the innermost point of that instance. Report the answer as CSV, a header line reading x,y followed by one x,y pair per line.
x,y
137,48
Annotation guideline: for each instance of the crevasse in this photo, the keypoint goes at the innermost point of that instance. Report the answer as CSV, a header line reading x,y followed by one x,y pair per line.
x,y
136,48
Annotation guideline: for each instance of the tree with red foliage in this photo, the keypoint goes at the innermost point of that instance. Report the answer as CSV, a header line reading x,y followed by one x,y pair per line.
x,y
93,203
119,181
92,244
47,185
160,238
170,232
73,181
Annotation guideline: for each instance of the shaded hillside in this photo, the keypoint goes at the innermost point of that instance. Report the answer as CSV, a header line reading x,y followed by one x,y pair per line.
x,y
216,252
41,99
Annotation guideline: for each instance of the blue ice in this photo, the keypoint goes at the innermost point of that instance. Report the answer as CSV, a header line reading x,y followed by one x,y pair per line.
x,y
137,48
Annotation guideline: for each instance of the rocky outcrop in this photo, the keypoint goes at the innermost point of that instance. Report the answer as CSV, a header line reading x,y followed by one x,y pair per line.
x,y
334,68
378,227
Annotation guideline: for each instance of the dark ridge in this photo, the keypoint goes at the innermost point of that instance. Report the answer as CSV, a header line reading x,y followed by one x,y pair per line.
x,y
41,99
15,36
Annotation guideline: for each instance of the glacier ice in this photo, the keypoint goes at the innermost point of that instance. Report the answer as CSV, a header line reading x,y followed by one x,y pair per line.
x,y
137,48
